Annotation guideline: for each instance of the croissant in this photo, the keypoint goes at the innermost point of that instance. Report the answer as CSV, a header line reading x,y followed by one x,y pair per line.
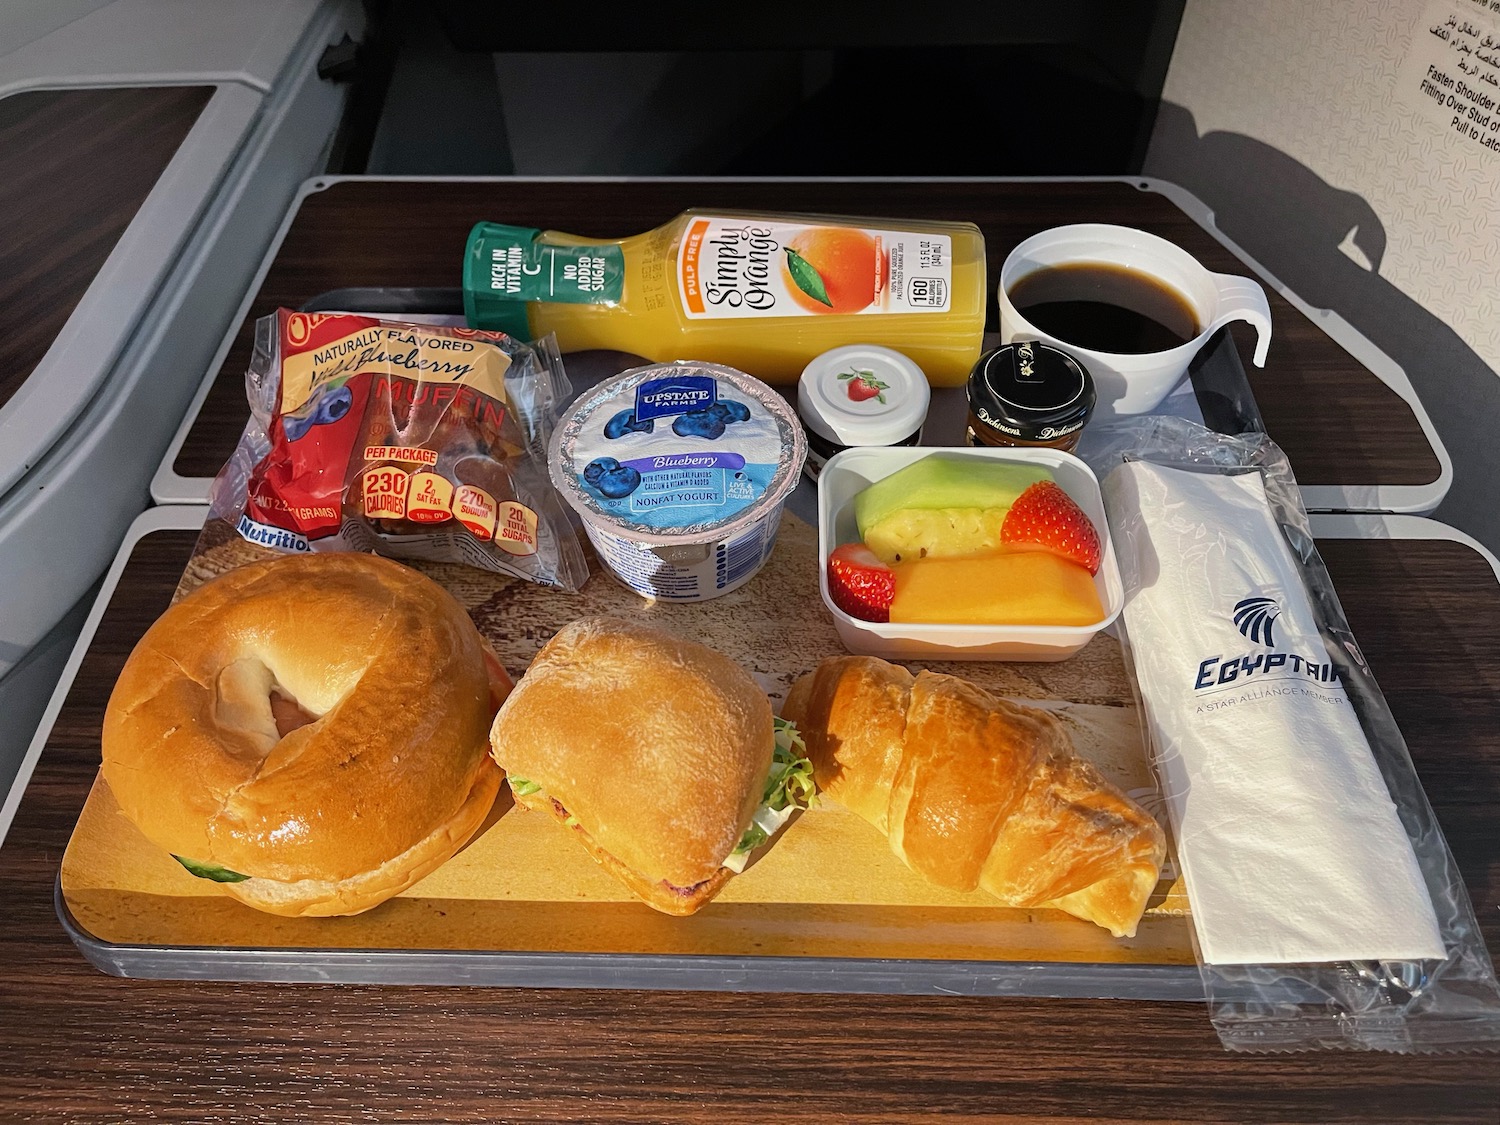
x,y
974,791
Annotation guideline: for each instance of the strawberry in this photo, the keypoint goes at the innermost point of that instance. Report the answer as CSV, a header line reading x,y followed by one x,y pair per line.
x,y
859,583
863,386
1044,516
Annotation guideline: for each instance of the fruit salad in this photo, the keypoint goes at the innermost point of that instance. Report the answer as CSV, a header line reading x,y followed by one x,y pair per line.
x,y
970,543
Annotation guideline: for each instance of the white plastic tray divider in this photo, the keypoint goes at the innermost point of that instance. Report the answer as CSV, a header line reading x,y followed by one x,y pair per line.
x,y
1387,525
135,43
1414,499
82,356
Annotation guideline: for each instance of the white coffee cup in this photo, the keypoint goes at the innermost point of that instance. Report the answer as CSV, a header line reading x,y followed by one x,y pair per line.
x,y
1135,383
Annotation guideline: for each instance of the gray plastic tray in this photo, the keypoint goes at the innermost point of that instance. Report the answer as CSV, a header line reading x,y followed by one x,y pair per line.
x,y
643,971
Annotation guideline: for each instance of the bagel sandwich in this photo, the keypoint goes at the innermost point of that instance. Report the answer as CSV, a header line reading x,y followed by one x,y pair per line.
x,y
659,755
309,733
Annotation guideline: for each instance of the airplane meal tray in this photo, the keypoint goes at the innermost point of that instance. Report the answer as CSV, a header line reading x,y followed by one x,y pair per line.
x,y
827,908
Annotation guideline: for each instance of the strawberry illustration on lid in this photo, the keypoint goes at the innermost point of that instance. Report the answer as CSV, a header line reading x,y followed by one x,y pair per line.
x,y
864,385
860,395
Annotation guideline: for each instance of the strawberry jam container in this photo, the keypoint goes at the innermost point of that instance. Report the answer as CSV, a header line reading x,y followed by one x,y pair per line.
x,y
678,472
860,395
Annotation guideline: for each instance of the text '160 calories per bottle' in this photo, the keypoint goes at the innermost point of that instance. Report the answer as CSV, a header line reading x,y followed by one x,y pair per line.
x,y
762,293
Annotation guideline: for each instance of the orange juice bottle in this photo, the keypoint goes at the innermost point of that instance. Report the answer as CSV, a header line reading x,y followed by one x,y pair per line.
x,y
763,293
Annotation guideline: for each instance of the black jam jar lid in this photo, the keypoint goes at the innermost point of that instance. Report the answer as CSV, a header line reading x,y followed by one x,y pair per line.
x,y
1031,391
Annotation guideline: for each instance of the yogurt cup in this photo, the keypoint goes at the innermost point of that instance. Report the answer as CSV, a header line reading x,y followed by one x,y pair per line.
x,y
678,472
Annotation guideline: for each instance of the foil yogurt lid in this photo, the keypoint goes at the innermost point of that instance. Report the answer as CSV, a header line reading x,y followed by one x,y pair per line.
x,y
674,453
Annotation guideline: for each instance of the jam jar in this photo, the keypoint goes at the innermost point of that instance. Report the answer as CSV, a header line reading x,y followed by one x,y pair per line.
x,y
1029,394
860,395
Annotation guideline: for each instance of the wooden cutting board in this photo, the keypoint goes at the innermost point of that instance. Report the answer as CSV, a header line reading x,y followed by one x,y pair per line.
x,y
829,887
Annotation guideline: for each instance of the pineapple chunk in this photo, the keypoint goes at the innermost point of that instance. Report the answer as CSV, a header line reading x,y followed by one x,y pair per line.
x,y
936,533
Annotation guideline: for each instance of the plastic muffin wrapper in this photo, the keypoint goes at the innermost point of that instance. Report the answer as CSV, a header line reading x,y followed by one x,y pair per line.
x,y
1430,1005
307,472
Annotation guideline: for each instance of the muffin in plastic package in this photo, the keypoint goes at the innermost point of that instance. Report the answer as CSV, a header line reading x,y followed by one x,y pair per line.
x,y
410,440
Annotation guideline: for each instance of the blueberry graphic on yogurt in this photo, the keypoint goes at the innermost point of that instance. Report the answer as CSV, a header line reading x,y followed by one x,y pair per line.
x,y
699,423
625,423
729,411
619,482
597,468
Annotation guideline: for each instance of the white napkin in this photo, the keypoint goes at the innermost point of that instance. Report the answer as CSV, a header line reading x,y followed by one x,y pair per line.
x,y
1288,840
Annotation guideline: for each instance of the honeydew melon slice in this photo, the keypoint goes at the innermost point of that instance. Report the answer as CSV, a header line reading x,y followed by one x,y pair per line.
x,y
936,482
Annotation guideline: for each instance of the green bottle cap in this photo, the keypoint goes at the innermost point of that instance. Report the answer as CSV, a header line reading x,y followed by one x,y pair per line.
x,y
505,267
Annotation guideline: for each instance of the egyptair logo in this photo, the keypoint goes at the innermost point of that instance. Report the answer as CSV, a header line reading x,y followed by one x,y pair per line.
x,y
1253,617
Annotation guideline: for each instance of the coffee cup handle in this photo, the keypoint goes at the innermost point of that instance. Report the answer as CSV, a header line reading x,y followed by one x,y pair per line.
x,y
1240,298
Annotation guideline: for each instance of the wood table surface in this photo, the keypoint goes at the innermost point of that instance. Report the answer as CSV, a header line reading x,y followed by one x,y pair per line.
x,y
75,166
1337,422
78,1045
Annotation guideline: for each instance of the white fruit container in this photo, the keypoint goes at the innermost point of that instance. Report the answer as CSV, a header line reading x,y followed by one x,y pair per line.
x,y
849,473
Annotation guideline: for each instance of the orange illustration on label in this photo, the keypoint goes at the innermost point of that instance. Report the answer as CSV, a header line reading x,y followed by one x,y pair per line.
x,y
747,266
429,499
475,509
834,269
384,493
517,529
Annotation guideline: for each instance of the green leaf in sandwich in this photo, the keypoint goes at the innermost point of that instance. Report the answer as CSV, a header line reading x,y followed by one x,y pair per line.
x,y
789,787
210,871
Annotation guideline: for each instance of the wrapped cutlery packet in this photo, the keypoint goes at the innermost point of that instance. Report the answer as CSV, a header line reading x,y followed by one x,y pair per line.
x,y
1327,909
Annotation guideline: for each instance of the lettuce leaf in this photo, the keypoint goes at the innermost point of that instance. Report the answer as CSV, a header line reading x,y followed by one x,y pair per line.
x,y
521,787
790,781
789,787
210,871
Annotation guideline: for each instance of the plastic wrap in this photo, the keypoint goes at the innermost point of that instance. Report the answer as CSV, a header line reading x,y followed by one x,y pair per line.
x,y
412,440
1450,1004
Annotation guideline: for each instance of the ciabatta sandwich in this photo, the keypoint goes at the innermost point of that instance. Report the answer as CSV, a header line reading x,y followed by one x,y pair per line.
x,y
659,755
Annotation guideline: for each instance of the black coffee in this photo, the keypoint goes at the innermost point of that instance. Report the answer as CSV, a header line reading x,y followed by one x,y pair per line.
x,y
1105,308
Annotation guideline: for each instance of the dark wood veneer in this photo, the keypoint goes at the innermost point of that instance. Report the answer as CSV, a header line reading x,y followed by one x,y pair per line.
x,y
75,166
78,1044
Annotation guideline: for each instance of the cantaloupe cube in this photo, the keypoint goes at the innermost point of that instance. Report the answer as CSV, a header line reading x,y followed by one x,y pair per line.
x,y
1018,588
